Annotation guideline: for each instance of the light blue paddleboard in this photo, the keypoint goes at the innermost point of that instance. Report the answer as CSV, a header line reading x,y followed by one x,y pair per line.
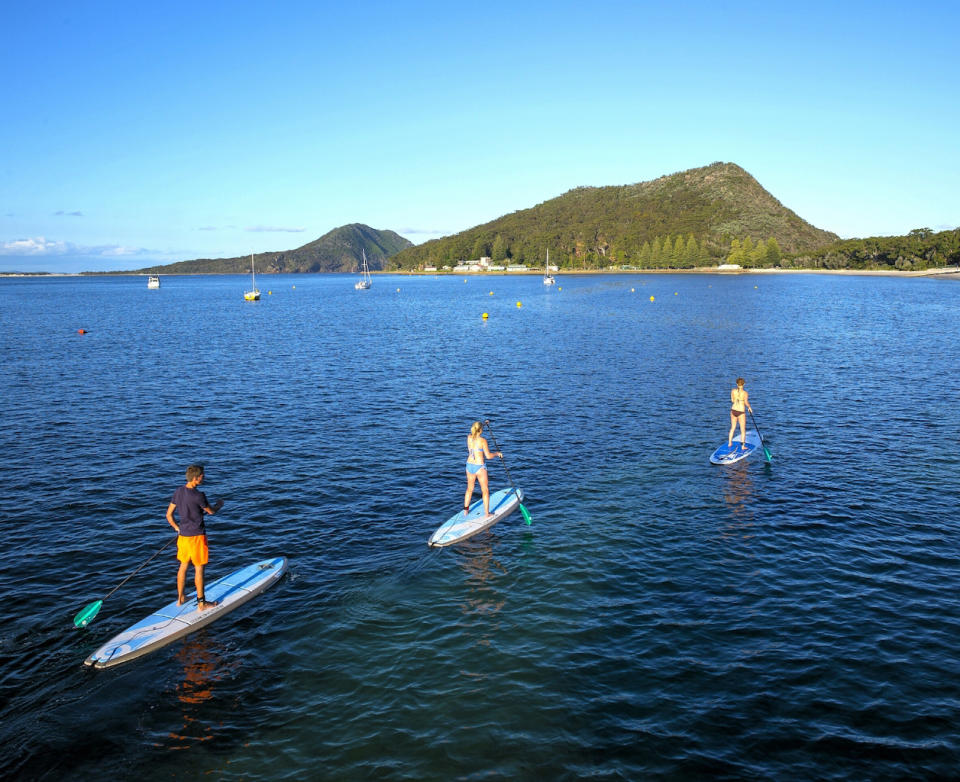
x,y
172,622
729,454
463,526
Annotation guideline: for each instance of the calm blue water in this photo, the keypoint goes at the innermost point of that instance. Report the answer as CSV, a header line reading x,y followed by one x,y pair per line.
x,y
660,618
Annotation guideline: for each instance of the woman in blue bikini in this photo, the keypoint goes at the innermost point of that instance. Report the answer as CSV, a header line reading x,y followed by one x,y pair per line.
x,y
477,450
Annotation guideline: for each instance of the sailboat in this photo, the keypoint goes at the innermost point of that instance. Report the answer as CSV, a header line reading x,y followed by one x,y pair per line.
x,y
547,277
253,294
364,282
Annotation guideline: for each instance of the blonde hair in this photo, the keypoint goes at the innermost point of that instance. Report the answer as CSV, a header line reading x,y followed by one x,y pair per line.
x,y
476,429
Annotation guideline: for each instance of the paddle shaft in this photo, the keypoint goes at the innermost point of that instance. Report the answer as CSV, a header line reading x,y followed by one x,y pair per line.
x,y
495,445
162,549
765,451
523,511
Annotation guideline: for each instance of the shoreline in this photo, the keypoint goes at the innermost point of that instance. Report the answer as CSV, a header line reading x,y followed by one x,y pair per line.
x,y
944,271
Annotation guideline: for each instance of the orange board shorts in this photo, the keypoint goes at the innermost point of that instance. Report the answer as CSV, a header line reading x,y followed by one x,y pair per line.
x,y
193,549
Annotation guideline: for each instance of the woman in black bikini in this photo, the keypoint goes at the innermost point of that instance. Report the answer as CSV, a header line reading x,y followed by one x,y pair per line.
x,y
739,404
477,449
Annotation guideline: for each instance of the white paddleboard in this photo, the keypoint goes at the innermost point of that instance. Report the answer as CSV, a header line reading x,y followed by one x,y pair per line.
x,y
172,621
729,454
463,526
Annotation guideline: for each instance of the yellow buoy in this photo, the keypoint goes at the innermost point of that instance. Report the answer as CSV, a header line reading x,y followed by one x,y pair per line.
x,y
651,298
491,293
560,289
754,286
674,293
269,293
485,315
632,290
519,304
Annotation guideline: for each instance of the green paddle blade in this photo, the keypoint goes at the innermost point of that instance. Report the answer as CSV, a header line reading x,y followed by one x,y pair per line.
x,y
86,615
526,514
766,453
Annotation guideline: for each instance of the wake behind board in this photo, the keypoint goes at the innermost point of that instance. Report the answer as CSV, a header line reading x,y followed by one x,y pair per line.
x,y
460,527
172,621
734,453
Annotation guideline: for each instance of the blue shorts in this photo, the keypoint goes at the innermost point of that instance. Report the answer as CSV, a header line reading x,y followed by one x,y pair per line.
x,y
473,469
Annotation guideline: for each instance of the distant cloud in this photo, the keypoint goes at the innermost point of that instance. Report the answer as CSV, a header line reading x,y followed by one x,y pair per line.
x,y
39,246
424,231
208,228
267,229
61,213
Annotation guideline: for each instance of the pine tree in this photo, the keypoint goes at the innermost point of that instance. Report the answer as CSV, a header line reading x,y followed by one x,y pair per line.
x,y
644,259
736,253
499,252
691,253
666,254
773,252
656,253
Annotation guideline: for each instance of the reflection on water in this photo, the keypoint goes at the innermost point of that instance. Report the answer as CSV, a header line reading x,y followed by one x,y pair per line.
x,y
738,491
203,666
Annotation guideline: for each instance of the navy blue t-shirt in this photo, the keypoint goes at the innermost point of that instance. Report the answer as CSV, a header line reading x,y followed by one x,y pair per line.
x,y
190,504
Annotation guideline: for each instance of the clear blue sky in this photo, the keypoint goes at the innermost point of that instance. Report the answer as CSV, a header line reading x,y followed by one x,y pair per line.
x,y
137,133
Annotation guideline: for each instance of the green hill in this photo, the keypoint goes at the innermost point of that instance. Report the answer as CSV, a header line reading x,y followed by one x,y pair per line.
x,y
646,225
336,251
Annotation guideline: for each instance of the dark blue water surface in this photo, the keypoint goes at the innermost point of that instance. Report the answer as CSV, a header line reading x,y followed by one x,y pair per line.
x,y
661,617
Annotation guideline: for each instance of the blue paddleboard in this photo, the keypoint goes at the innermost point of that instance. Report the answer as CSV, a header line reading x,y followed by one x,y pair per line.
x,y
462,526
729,454
172,621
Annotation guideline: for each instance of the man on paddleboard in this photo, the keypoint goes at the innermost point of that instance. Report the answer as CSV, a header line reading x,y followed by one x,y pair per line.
x,y
739,404
191,504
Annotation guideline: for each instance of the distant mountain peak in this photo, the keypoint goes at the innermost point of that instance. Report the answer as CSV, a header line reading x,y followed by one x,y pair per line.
x,y
338,250
599,225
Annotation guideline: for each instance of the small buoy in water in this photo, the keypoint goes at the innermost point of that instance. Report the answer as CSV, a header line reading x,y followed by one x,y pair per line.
x,y
294,287
269,293
754,286
559,289
632,290
519,304
491,293
674,293
485,316
651,298
398,290
81,331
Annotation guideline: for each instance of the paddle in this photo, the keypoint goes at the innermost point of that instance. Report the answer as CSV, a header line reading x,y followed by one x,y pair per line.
x,y
523,510
87,614
765,451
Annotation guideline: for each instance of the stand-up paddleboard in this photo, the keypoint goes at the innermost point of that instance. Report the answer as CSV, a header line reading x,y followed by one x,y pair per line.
x,y
463,526
734,453
172,622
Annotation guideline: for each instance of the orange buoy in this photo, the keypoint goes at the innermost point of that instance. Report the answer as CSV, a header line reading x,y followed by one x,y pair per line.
x,y
81,331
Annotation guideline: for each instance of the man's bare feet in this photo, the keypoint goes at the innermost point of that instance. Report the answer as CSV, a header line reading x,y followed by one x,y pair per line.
x,y
206,605
181,600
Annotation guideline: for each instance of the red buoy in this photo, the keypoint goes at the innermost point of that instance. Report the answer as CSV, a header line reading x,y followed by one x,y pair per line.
x,y
81,331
